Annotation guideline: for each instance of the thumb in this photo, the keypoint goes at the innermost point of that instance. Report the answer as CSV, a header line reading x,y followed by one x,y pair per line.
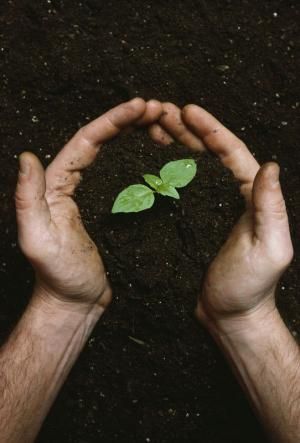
x,y
271,224
33,215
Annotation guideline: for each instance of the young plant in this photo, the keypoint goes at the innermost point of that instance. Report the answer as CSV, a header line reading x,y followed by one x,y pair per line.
x,y
175,174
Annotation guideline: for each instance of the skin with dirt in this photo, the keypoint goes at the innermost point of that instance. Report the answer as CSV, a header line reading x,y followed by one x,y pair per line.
x,y
150,373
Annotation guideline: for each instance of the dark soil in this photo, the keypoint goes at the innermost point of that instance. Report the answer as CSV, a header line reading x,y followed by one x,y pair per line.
x,y
149,373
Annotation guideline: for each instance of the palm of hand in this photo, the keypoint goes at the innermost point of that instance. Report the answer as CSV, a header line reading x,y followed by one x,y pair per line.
x,y
67,263
243,276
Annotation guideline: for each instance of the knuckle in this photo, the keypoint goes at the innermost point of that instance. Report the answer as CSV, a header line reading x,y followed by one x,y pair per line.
x,y
82,134
237,146
21,203
189,110
288,256
82,130
28,248
279,209
283,258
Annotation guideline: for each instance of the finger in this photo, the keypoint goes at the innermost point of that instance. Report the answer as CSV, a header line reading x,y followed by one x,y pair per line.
x,y
33,215
159,135
270,217
231,150
152,113
62,174
171,121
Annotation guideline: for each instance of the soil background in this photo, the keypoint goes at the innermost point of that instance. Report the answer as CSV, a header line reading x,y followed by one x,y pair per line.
x,y
149,372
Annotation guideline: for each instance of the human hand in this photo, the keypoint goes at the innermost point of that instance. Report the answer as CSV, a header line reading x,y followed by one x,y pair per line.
x,y
241,280
67,263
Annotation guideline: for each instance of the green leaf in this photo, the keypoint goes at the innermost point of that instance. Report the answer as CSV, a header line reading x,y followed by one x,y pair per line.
x,y
179,172
168,190
152,180
135,198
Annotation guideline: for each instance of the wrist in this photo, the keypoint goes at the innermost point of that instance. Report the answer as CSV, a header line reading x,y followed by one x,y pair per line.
x,y
61,328
58,311
54,303
243,323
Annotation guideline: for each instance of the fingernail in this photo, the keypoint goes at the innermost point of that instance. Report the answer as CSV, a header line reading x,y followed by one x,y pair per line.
x,y
24,166
275,174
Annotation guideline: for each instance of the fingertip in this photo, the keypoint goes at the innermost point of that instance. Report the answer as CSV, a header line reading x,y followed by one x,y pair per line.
x,y
270,215
31,182
169,107
154,104
26,156
170,112
268,174
190,107
152,113
24,164
138,104
171,120
194,117
155,108
32,171
28,162
188,112
29,156
272,170
159,135
267,192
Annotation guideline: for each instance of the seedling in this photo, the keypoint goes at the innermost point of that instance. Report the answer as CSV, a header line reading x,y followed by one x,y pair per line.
x,y
175,174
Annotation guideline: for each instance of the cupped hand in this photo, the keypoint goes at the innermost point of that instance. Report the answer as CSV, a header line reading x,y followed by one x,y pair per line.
x,y
241,280
51,233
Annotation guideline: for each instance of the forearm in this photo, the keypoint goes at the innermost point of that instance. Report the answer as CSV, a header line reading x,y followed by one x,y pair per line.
x,y
35,362
266,360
